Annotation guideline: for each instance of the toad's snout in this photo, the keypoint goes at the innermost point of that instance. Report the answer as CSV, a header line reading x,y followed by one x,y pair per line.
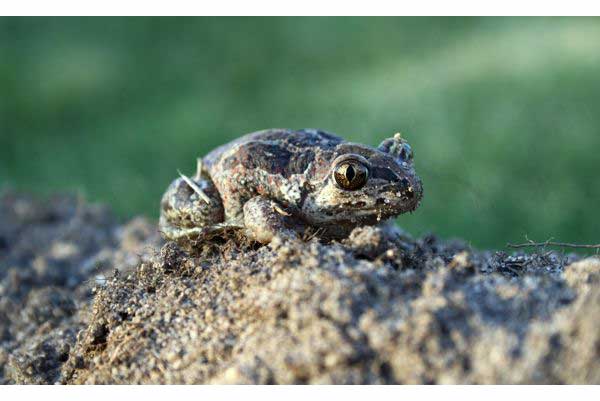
x,y
410,191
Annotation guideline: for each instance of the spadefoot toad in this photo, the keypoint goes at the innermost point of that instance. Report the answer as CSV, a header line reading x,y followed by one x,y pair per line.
x,y
282,182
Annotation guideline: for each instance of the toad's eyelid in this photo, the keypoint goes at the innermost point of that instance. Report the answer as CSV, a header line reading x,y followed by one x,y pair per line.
x,y
351,157
407,151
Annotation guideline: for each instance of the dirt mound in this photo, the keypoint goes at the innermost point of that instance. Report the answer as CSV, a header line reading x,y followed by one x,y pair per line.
x,y
52,252
371,309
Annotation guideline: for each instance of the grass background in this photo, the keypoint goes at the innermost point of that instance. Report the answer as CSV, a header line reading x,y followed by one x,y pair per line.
x,y
503,113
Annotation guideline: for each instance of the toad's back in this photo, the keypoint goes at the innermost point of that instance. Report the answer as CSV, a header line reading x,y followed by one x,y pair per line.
x,y
277,151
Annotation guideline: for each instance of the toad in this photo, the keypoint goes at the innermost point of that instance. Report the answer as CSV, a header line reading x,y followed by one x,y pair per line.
x,y
281,182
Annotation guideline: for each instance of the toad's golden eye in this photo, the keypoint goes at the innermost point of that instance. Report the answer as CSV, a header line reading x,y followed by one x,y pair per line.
x,y
351,175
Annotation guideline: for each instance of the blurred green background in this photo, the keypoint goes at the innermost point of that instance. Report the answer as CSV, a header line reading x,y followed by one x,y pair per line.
x,y
503,113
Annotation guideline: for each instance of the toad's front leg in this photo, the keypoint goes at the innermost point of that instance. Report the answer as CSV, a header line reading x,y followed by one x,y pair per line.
x,y
265,219
191,210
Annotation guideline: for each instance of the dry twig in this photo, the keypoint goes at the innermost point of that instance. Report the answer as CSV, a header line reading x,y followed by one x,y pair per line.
x,y
531,243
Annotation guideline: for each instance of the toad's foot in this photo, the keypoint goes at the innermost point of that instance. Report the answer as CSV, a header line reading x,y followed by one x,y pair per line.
x,y
194,235
192,211
265,219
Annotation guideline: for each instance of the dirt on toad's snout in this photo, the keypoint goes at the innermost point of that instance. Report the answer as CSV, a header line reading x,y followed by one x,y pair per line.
x,y
84,299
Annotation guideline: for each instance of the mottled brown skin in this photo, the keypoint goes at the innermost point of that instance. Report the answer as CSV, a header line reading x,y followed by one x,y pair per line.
x,y
281,182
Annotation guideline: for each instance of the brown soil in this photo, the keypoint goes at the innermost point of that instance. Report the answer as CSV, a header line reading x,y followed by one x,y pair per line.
x,y
84,299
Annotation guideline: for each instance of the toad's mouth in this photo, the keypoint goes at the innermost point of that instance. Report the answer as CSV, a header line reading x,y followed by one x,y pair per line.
x,y
405,199
405,196
389,201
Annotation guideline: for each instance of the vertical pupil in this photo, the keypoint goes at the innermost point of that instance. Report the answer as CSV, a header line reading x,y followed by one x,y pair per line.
x,y
350,173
